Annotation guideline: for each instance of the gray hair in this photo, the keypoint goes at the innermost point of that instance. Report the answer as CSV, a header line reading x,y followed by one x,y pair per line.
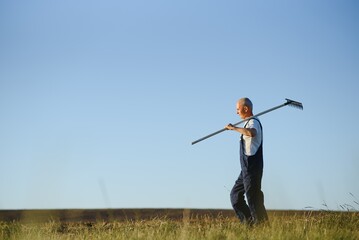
x,y
246,102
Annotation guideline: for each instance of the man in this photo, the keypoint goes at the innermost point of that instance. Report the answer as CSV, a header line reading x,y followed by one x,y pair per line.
x,y
251,158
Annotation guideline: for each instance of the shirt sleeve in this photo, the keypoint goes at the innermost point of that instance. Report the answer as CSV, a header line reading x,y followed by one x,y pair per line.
x,y
253,124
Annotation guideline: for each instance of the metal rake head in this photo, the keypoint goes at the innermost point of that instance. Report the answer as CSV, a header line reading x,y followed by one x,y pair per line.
x,y
293,103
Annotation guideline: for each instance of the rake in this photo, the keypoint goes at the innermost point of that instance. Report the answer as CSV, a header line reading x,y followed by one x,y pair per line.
x,y
288,102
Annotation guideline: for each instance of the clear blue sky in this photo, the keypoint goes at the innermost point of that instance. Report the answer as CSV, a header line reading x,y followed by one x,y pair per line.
x,y
100,101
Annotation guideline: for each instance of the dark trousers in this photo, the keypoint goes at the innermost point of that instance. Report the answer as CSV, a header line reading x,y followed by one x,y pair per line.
x,y
249,185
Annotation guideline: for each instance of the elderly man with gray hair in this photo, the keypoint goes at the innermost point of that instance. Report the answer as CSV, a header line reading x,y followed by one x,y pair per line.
x,y
251,158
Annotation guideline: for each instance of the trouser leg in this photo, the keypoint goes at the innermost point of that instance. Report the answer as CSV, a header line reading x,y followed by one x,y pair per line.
x,y
238,202
255,197
262,212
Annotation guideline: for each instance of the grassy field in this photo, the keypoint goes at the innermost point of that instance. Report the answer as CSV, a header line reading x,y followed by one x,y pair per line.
x,y
283,225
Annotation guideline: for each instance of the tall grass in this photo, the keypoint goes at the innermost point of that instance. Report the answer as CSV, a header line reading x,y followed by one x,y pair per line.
x,y
323,225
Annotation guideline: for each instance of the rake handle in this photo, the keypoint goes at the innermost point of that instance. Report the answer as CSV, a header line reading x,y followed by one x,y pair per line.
x,y
208,136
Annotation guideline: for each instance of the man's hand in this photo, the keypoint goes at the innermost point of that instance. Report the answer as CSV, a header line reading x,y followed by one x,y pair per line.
x,y
230,127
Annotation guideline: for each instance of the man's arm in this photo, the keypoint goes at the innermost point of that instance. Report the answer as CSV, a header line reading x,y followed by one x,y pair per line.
x,y
251,132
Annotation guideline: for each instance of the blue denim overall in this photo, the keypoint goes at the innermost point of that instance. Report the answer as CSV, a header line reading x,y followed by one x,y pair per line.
x,y
249,184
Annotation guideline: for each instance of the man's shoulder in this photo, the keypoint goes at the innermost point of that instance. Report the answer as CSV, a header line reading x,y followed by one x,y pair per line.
x,y
254,123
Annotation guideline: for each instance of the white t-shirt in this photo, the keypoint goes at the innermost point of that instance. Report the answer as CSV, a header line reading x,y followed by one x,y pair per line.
x,y
251,144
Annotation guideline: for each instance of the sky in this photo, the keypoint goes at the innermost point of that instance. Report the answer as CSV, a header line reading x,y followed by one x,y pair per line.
x,y
100,101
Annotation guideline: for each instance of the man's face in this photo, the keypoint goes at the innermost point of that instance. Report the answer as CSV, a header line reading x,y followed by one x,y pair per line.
x,y
242,110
